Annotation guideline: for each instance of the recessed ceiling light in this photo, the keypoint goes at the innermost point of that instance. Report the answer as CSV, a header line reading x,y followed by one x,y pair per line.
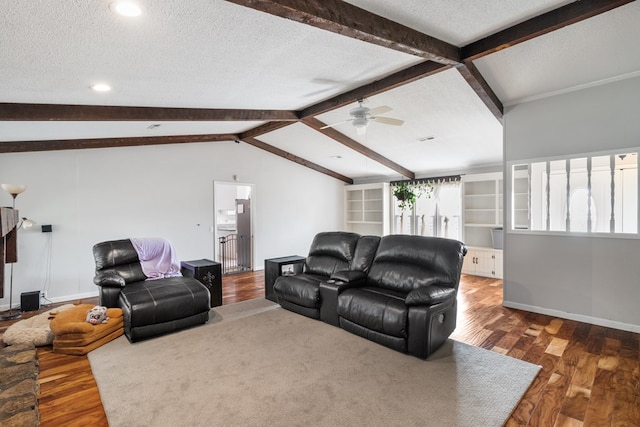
x,y
125,8
101,87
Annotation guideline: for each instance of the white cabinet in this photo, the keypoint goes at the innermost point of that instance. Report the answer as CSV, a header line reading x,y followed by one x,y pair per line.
x,y
485,262
482,208
367,208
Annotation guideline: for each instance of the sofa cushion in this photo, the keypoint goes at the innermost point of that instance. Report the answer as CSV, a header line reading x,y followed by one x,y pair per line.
x,y
301,289
405,263
330,252
364,253
377,309
118,257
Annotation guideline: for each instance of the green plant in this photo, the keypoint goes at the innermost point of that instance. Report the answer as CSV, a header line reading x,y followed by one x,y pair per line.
x,y
407,193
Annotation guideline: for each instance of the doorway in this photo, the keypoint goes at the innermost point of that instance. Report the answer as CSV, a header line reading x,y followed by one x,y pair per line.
x,y
233,219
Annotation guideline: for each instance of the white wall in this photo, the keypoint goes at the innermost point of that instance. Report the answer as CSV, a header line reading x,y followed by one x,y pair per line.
x,y
94,195
583,278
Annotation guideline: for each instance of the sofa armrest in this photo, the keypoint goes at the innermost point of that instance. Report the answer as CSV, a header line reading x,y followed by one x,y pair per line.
x,y
109,280
348,276
430,295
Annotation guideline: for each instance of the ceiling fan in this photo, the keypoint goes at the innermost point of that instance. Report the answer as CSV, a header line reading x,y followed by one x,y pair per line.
x,y
361,116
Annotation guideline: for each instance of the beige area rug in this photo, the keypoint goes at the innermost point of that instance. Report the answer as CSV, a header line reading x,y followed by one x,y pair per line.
x,y
256,364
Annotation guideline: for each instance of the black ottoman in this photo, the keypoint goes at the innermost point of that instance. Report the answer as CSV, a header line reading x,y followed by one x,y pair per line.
x,y
156,307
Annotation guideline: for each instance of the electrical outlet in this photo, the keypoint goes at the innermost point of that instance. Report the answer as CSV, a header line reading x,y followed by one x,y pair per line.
x,y
43,294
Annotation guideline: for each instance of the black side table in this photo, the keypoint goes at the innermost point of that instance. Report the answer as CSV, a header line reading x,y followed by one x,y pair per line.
x,y
207,272
276,267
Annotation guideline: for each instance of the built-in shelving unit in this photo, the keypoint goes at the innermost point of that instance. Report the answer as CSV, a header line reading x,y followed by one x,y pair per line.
x,y
520,218
482,208
367,208
482,214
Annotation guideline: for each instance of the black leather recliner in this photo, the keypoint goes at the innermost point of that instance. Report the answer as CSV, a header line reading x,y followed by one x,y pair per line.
x,y
408,300
150,307
330,252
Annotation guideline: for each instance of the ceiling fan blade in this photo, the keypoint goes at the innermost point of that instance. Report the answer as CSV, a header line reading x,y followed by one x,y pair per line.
x,y
388,121
335,124
380,110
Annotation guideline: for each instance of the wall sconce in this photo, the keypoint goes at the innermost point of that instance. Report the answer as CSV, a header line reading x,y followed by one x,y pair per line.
x,y
26,223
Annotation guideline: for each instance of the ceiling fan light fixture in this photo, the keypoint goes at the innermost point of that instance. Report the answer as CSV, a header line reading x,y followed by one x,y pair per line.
x,y
360,123
361,116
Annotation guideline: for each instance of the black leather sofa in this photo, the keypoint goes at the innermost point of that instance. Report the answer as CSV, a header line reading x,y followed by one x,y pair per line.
x,y
330,253
150,307
399,291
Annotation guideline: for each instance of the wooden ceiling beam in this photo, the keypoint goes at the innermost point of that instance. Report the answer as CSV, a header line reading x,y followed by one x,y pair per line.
x,y
480,86
538,26
317,125
299,160
348,20
59,112
79,144
408,75
262,129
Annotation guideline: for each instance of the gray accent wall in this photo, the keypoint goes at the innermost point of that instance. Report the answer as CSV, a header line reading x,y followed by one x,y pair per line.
x,y
592,279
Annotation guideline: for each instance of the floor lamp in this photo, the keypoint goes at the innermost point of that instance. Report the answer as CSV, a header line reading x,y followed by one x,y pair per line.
x,y
14,190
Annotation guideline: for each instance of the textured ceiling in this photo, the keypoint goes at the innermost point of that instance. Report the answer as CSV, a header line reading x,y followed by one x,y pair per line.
x,y
459,22
600,48
216,54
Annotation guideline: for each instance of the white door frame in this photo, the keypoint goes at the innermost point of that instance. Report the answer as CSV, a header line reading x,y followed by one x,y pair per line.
x,y
252,189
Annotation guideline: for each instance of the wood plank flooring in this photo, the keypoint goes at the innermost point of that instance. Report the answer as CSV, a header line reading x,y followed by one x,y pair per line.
x,y
590,374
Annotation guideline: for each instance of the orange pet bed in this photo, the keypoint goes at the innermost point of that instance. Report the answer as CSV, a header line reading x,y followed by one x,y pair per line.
x,y
74,335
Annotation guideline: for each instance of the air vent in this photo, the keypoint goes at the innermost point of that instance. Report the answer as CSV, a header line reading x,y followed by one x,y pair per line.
x,y
426,138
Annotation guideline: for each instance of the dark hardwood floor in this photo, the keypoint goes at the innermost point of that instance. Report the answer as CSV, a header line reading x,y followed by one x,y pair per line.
x,y
590,374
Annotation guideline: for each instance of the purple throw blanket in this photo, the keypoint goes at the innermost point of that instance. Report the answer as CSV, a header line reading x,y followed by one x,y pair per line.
x,y
157,257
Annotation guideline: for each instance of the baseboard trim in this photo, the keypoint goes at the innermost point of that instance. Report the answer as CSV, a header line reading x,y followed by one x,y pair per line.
x,y
66,298
573,316
71,298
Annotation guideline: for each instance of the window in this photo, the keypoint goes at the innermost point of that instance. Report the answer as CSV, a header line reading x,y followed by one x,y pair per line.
x,y
437,212
584,194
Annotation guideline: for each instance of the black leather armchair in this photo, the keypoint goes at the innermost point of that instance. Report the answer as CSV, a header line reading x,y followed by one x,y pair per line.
x,y
150,307
408,300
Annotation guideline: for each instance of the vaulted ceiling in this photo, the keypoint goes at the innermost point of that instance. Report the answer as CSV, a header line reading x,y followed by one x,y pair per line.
x,y
274,73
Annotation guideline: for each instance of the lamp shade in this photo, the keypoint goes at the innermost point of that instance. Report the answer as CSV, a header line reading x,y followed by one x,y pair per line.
x,y
14,189
27,223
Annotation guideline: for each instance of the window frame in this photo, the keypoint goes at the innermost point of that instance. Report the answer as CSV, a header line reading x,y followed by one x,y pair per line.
x,y
509,195
412,213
